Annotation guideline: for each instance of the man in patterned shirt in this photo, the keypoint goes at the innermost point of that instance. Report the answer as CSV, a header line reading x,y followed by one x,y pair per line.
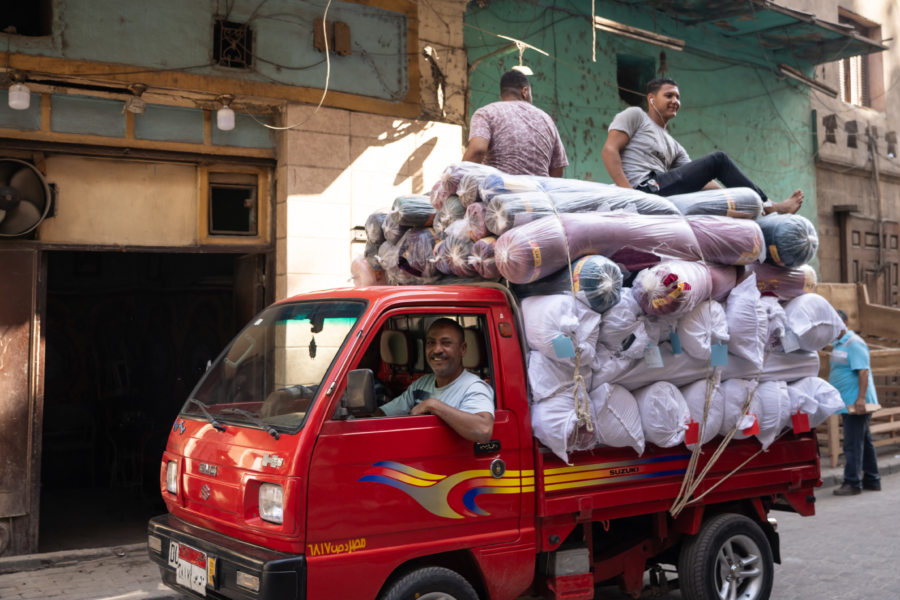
x,y
515,136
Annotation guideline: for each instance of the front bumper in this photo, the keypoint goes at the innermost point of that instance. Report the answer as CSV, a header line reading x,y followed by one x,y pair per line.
x,y
281,576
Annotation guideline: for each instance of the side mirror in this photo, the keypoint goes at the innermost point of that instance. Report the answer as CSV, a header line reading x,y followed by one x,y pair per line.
x,y
359,397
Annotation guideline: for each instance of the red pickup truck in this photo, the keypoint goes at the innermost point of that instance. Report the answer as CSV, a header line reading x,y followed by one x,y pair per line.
x,y
280,484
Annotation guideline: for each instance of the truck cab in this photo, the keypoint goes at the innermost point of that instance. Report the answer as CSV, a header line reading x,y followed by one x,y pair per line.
x,y
278,448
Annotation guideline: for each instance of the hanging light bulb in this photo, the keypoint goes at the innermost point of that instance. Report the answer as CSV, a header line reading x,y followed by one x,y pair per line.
x,y
19,94
521,68
225,116
135,103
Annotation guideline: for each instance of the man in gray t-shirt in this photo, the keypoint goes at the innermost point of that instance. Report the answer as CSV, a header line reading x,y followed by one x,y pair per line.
x,y
515,136
639,153
459,398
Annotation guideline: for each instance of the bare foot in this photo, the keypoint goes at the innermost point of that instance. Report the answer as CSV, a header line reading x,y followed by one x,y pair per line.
x,y
789,206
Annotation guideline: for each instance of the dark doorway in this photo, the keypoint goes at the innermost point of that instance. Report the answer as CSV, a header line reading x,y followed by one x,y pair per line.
x,y
127,337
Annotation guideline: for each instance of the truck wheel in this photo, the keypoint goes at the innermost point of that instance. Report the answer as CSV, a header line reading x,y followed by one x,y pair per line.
x,y
431,583
729,559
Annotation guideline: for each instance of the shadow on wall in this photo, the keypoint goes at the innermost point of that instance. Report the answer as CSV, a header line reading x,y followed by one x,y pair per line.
x,y
414,166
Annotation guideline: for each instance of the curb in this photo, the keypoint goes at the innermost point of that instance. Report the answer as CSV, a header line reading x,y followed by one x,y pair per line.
x,y
63,558
888,464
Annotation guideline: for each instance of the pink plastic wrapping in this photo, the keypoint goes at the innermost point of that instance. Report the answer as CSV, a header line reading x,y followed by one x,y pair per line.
x,y
673,287
451,211
538,249
784,283
451,176
415,252
739,203
723,281
455,249
475,218
728,241
482,258
391,227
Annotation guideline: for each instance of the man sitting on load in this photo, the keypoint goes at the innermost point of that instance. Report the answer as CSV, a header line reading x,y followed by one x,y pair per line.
x,y
459,398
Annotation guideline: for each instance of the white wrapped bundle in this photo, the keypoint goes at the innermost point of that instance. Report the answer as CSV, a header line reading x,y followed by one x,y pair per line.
x,y
771,407
609,366
728,241
537,249
678,369
673,287
784,283
549,377
815,397
555,424
812,323
736,392
779,366
548,318
695,397
700,328
622,321
747,322
737,202
664,414
617,420
776,319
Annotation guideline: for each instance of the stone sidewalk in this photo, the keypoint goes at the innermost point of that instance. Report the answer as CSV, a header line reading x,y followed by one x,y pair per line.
x,y
126,573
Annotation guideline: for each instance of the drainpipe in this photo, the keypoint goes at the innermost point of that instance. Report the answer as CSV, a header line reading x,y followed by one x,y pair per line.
x,y
873,155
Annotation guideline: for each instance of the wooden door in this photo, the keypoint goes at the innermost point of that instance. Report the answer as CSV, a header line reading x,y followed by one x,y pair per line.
x,y
21,360
860,258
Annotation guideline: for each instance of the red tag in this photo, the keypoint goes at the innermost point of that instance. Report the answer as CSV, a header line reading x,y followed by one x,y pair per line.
x,y
669,279
753,429
692,435
800,422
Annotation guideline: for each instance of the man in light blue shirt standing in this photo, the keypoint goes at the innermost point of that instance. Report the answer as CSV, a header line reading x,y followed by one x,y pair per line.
x,y
851,374
459,398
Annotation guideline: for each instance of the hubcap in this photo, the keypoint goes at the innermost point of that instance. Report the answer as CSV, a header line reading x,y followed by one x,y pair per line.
x,y
738,575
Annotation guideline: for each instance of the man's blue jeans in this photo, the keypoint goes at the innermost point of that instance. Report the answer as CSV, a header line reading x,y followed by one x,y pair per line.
x,y
859,452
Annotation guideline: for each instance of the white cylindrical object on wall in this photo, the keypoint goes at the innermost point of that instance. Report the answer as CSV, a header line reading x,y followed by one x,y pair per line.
x,y
225,119
19,96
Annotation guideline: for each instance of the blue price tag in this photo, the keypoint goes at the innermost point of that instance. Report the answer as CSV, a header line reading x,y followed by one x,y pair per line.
x,y
718,355
563,347
675,341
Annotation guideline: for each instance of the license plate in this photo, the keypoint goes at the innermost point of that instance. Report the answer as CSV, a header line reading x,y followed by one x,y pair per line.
x,y
190,566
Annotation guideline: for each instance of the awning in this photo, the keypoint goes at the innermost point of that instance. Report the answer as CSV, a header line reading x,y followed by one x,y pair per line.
x,y
790,35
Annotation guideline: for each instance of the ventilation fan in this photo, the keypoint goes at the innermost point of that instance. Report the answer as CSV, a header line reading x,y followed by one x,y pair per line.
x,y
25,198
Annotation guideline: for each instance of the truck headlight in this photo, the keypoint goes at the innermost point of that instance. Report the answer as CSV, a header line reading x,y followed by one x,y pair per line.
x,y
172,477
271,502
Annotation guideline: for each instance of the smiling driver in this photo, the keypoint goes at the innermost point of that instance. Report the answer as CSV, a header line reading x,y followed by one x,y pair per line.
x,y
459,398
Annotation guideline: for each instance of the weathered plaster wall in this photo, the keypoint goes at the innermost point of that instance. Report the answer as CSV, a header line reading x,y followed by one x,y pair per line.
x,y
763,123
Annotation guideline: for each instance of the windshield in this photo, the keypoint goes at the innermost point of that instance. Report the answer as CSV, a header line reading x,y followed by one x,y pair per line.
x,y
270,374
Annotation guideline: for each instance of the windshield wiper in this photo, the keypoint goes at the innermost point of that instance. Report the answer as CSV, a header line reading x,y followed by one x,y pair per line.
x,y
209,416
256,420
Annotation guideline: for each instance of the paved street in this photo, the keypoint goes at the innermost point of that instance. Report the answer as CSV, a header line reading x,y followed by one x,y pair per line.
x,y
840,554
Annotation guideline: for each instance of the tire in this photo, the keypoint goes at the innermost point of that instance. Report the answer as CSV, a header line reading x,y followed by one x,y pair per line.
x,y
431,583
729,559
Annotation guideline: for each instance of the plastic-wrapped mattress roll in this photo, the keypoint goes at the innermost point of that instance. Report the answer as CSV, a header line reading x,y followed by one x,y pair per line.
x,y
415,253
413,211
363,274
631,261
597,282
695,395
451,254
673,287
738,202
503,209
373,227
537,249
451,211
783,283
617,419
664,414
723,279
482,258
728,241
391,227
475,219
371,255
791,240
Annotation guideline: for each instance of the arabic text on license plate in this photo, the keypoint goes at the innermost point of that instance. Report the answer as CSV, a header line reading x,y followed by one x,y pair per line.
x,y
190,567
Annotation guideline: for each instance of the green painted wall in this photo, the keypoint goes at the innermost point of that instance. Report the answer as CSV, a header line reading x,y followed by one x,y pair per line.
x,y
728,103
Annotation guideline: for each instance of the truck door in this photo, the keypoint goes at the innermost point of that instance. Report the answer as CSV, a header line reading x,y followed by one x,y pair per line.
x,y
385,490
